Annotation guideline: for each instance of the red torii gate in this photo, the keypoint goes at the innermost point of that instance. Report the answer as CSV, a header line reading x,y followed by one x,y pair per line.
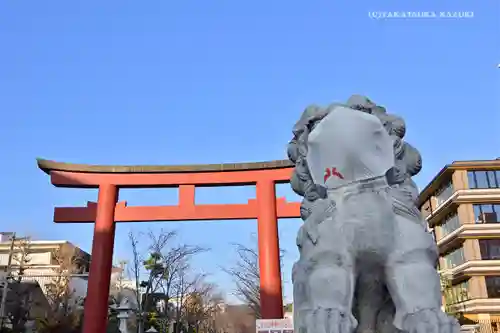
x,y
266,208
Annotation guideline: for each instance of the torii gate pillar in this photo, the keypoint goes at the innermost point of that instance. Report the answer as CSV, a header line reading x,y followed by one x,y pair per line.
x,y
269,252
96,302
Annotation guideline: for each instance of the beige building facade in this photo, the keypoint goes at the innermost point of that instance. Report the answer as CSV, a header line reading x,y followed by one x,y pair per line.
x,y
44,260
462,207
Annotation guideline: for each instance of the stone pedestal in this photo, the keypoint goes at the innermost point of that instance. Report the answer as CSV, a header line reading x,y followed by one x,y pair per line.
x,y
469,328
122,317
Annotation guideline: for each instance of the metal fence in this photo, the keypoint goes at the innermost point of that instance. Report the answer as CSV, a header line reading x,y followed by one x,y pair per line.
x,y
487,325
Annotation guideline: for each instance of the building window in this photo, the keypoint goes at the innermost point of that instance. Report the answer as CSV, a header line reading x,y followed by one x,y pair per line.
x,y
486,213
490,249
454,258
444,193
484,179
493,286
450,224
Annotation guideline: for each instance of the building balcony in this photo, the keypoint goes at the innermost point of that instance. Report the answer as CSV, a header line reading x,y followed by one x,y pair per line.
x,y
491,195
468,231
475,267
479,305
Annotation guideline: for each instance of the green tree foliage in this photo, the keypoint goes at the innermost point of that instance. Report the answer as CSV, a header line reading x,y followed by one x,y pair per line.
x,y
288,307
454,296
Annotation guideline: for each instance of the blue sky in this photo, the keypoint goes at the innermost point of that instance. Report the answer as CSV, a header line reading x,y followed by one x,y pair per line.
x,y
179,82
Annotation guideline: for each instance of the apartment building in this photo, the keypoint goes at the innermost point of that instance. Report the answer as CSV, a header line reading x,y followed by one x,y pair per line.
x,y
462,207
42,261
45,259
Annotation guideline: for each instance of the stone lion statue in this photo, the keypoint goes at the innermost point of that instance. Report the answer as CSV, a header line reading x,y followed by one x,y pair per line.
x,y
367,261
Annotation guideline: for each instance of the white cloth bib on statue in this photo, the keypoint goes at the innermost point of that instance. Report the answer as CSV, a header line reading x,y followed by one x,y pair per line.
x,y
348,146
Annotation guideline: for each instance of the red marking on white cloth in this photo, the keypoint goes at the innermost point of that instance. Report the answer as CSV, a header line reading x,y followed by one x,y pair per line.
x,y
331,172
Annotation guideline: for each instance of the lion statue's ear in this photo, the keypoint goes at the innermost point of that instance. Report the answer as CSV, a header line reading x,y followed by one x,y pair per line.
x,y
413,159
378,110
305,118
360,102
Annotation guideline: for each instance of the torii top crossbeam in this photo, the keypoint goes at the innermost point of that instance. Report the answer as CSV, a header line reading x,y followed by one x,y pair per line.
x,y
109,179
185,177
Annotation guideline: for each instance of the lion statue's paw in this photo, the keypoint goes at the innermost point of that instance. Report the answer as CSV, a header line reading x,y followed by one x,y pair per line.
x,y
430,321
327,320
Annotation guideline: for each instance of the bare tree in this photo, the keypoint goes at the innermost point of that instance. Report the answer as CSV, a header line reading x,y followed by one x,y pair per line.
x,y
236,319
176,262
20,300
64,313
201,307
156,264
21,256
135,269
162,268
245,273
183,289
213,307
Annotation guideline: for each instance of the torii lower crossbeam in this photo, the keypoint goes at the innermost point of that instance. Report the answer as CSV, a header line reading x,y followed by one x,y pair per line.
x,y
107,211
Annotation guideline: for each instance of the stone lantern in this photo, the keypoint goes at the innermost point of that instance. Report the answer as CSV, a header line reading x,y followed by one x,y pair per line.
x,y
123,314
